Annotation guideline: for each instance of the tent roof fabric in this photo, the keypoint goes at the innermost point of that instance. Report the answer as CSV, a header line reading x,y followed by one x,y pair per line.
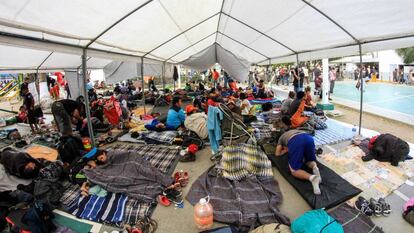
x,y
261,32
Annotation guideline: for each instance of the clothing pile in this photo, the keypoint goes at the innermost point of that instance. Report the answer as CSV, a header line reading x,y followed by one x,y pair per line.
x,y
243,160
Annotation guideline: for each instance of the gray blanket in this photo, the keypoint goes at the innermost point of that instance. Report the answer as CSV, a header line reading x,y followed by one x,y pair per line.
x,y
246,203
130,174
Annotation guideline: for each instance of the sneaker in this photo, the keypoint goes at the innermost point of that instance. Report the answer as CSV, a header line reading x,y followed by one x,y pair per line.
x,y
377,207
386,208
363,205
188,157
173,195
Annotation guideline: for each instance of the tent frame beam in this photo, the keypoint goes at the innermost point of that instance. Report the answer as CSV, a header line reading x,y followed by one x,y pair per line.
x,y
330,19
181,33
190,46
241,43
117,22
361,80
260,32
218,23
342,46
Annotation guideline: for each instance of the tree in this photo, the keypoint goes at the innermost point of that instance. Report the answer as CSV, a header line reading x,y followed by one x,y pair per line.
x,y
407,54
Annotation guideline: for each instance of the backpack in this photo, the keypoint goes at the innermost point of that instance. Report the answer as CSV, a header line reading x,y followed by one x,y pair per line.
x,y
408,213
316,221
190,137
69,148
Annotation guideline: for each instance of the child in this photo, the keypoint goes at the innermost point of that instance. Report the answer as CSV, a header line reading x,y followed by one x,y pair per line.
x,y
22,116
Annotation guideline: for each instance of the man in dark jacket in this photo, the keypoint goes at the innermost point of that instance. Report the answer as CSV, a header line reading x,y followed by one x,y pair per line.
x,y
20,164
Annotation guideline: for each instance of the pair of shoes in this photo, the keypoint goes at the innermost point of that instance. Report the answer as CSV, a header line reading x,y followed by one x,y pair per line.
x,y
182,178
187,157
173,195
380,207
364,206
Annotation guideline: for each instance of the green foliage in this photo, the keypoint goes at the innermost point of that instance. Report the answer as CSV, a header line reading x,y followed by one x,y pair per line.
x,y
407,54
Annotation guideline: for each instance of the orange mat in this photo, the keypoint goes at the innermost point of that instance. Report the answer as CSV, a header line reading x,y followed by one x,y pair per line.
x,y
42,152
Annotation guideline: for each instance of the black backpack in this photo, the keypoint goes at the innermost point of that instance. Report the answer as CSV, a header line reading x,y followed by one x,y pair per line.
x,y
69,148
190,137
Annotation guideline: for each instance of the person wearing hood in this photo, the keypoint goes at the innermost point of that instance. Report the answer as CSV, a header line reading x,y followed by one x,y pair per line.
x,y
20,164
196,121
176,115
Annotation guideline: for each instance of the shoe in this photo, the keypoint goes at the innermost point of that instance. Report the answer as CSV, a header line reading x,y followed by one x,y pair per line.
x,y
386,208
363,206
377,207
163,200
329,98
188,157
173,195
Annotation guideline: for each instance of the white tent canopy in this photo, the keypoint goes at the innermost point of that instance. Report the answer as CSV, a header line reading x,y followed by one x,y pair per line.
x,y
236,67
261,32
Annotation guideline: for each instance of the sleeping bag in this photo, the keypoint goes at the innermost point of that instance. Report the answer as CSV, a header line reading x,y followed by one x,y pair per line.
x,y
316,221
388,148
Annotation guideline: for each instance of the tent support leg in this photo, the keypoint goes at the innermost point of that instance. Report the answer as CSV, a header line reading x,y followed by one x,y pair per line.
x,y
163,75
85,93
37,85
361,80
143,87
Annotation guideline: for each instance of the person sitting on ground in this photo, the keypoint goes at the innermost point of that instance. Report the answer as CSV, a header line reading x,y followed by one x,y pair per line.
x,y
233,107
246,109
66,112
175,116
287,102
233,85
300,147
296,102
20,164
298,119
188,87
309,104
196,121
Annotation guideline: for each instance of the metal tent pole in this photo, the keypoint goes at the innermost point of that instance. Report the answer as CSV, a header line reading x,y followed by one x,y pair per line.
x,y
361,80
297,65
143,87
37,86
85,93
163,75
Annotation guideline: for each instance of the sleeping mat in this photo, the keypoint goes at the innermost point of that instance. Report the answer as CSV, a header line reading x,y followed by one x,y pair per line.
x,y
334,188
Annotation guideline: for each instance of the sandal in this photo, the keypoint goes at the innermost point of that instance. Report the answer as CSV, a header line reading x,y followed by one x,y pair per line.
x,y
182,178
386,208
377,207
163,200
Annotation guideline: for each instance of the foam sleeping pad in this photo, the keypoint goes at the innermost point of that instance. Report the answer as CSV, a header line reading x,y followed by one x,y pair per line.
x,y
335,190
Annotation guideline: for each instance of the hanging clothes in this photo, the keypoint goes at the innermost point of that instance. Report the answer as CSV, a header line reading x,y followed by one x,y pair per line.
x,y
214,127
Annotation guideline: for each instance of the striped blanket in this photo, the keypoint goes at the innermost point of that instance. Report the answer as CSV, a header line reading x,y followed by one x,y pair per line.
x,y
163,158
243,160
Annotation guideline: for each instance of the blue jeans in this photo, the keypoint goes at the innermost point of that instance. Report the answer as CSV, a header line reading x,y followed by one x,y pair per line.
x,y
285,79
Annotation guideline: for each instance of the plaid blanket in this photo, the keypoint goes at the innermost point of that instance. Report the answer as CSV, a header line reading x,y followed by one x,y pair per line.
x,y
163,158
262,130
153,137
248,202
242,160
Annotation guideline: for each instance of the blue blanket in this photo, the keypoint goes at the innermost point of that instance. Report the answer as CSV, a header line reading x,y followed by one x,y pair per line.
x,y
335,133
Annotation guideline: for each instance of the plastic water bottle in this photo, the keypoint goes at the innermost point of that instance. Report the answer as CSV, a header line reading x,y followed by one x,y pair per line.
x,y
203,214
354,131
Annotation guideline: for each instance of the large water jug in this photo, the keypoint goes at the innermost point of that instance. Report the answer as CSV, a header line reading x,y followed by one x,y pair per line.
x,y
203,214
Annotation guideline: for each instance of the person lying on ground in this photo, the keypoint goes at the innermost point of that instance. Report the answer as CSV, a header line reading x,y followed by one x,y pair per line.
x,y
66,112
176,115
300,147
247,110
20,164
196,121
287,102
158,126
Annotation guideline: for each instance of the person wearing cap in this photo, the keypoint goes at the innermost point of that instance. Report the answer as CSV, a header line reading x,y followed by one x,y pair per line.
x,y
196,121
